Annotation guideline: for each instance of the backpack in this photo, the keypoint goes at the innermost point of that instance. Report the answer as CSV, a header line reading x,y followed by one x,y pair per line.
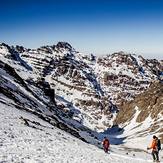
x,y
106,142
159,144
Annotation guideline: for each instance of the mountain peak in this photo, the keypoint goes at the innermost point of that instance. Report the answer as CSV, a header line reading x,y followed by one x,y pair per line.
x,y
64,45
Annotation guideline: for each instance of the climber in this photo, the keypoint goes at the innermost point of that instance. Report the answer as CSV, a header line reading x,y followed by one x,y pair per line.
x,y
154,147
106,144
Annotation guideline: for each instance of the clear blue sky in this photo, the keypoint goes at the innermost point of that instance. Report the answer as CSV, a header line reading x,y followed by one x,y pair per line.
x,y
93,26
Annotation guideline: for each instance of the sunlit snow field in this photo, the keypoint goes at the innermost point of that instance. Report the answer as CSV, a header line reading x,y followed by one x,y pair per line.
x,y
45,143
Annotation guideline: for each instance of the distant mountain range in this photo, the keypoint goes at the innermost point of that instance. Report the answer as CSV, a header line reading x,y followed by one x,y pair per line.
x,y
63,85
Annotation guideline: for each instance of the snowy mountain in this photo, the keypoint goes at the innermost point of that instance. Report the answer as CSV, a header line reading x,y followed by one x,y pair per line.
x,y
125,75
85,87
56,87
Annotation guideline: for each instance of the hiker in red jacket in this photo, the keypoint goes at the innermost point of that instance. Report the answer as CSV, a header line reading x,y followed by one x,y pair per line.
x,y
106,144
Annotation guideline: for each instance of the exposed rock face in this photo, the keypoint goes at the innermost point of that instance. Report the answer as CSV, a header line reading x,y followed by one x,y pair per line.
x,y
131,74
85,87
150,104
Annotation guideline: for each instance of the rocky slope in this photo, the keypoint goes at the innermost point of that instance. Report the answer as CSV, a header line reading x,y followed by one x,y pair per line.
x,y
148,108
84,88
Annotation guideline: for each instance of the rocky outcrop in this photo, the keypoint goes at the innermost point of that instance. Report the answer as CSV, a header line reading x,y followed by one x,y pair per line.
x,y
150,104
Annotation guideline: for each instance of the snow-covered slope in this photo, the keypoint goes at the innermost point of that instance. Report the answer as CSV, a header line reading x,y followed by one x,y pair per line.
x,y
39,141
38,101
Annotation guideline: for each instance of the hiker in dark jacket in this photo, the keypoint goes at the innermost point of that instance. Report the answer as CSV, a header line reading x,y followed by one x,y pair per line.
x,y
106,144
